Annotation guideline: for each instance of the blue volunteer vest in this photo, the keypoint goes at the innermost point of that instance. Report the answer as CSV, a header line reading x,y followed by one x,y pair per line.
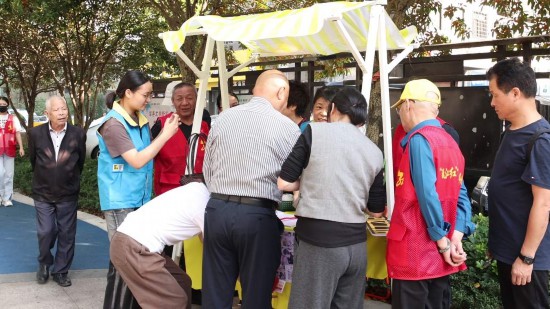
x,y
121,185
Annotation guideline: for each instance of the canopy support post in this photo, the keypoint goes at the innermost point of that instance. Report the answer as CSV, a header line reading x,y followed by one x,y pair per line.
x,y
244,64
370,49
189,63
349,41
386,116
404,53
223,75
203,85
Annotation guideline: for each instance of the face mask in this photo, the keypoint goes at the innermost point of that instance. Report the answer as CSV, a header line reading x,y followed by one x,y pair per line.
x,y
3,109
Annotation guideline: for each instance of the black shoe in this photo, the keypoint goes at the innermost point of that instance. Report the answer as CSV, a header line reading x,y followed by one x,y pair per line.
x,y
42,274
62,279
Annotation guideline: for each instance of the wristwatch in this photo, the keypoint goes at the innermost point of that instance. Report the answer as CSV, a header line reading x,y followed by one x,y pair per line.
x,y
529,260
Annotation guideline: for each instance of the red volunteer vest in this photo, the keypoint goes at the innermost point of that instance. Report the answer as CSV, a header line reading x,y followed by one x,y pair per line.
x,y
411,254
8,138
397,151
170,162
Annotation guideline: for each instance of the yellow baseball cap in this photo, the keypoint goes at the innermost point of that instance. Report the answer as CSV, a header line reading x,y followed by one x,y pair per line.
x,y
420,90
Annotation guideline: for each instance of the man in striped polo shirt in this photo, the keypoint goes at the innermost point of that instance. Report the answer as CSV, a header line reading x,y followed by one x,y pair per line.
x,y
244,154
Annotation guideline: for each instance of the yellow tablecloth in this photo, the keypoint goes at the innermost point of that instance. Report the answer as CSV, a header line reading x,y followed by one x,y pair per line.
x,y
376,257
192,250
376,266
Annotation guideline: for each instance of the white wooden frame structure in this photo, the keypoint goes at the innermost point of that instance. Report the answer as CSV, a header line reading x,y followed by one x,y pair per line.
x,y
323,29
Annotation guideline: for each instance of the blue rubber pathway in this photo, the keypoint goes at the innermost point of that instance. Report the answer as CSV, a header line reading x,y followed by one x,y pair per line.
x,y
19,246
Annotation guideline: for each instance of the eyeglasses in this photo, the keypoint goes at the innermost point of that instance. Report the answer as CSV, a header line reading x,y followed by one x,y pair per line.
x,y
398,107
146,95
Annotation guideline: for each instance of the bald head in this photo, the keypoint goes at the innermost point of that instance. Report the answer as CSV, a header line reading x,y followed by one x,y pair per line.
x,y
272,85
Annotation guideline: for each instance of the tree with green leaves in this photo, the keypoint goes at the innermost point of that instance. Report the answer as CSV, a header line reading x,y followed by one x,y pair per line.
x,y
23,52
95,42
77,48
516,20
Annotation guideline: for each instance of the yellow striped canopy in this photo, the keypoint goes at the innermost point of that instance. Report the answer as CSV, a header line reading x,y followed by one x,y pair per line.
x,y
307,31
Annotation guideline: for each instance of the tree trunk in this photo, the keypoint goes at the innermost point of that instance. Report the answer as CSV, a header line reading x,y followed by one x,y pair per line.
x,y
374,124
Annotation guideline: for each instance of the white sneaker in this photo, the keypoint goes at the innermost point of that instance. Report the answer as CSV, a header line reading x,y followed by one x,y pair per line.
x,y
7,203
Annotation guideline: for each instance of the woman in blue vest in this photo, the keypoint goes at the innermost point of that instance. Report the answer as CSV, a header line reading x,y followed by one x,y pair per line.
x,y
125,164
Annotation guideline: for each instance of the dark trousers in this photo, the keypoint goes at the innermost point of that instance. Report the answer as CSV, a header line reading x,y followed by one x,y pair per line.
x,y
117,293
240,240
56,222
429,293
532,295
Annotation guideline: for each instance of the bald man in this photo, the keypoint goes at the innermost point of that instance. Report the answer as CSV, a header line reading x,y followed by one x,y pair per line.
x,y
244,154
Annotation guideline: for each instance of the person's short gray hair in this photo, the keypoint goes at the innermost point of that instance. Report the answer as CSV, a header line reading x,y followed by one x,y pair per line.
x,y
48,101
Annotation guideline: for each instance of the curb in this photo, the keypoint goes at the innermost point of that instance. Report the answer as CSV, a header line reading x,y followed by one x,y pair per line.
x,y
83,216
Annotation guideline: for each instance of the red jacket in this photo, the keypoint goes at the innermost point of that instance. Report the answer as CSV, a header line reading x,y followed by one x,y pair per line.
x,y
171,161
7,146
411,254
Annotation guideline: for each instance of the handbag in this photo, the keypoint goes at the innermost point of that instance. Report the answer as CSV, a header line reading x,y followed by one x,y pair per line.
x,y
189,176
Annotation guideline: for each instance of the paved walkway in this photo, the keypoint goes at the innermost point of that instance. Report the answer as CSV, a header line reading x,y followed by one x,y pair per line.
x,y
18,287
18,251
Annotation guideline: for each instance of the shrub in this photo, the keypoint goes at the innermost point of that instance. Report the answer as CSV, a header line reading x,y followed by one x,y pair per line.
x,y
22,177
478,286
88,200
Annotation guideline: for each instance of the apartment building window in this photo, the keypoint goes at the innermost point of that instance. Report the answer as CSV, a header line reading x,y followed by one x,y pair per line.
x,y
479,25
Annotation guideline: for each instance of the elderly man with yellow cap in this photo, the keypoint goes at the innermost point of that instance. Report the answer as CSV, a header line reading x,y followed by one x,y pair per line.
x,y
432,211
